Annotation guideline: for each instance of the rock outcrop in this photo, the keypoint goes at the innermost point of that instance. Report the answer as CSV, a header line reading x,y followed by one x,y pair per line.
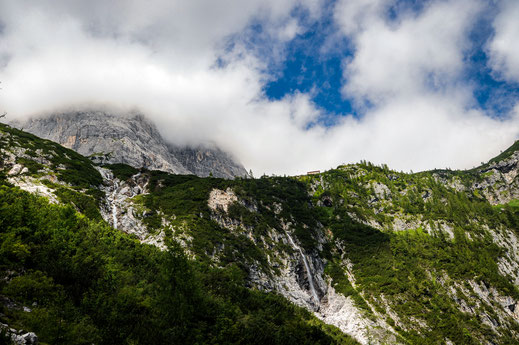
x,y
107,138
119,210
499,183
300,276
19,337
377,258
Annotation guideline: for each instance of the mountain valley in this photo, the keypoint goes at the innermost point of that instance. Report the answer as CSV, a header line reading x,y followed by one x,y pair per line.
x,y
137,249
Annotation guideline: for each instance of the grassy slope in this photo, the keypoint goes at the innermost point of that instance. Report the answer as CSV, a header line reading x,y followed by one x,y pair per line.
x,y
505,154
408,268
78,179
412,269
72,167
88,283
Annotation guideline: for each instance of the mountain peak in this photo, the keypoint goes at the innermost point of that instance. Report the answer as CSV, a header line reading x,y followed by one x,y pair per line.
x,y
132,139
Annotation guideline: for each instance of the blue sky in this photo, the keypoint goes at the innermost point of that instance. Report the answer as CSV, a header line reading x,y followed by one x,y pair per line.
x,y
285,86
311,66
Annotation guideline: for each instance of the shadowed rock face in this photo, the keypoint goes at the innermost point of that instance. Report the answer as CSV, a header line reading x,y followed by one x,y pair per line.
x,y
202,161
133,140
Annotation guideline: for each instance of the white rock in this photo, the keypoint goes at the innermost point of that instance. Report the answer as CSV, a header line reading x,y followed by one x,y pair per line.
x,y
15,170
32,185
119,210
221,199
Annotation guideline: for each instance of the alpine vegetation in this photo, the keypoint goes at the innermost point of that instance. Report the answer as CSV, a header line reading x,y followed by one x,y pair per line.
x,y
112,254
259,172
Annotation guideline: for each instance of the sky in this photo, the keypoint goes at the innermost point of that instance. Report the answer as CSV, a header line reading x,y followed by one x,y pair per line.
x,y
285,86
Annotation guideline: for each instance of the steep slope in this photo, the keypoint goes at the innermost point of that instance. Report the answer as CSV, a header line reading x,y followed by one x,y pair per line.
x,y
204,162
498,178
133,140
438,262
387,257
70,278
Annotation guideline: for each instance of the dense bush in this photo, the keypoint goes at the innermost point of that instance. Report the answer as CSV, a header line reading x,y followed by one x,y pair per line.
x,y
122,171
409,268
88,283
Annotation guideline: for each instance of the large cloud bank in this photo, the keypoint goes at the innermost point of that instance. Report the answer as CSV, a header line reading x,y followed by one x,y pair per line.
x,y
197,70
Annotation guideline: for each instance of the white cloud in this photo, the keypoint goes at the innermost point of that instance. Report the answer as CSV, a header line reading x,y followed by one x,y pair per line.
x,y
504,46
290,30
160,57
419,53
354,16
409,69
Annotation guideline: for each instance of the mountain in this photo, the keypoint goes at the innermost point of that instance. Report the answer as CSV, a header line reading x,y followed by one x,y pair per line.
x,y
358,254
69,277
133,140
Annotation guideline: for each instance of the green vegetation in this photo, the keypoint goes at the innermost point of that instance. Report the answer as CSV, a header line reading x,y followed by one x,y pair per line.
x,y
410,268
87,283
290,196
505,154
84,203
122,171
71,167
511,204
30,164
183,200
341,284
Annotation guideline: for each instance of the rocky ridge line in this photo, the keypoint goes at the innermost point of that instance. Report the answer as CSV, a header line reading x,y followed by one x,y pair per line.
x,y
107,138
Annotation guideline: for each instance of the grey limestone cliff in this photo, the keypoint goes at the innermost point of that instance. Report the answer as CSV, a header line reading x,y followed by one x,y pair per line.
x,y
133,140
203,161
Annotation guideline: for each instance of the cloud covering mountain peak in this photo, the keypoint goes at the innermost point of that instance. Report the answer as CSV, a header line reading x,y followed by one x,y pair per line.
x,y
199,70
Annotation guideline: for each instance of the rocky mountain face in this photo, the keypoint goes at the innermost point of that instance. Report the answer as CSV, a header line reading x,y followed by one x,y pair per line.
x,y
133,140
204,162
386,257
